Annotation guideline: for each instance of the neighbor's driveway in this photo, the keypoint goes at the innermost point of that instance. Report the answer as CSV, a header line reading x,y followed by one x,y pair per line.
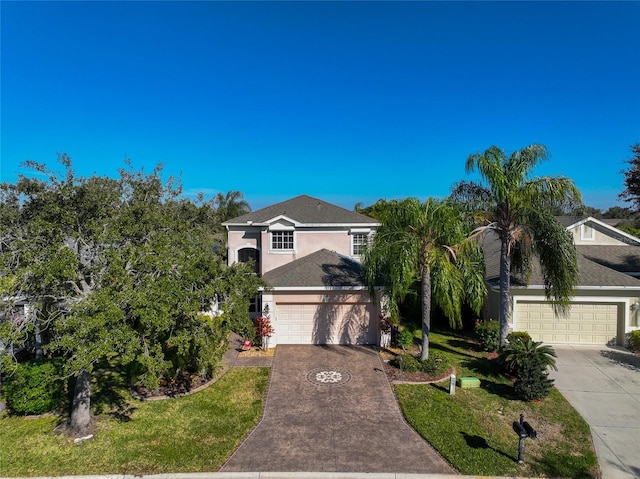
x,y
331,409
603,385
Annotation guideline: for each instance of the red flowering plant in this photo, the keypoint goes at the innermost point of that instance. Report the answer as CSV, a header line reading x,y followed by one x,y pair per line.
x,y
384,323
264,330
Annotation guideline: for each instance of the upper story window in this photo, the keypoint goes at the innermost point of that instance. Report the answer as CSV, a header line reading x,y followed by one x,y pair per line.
x,y
250,254
587,233
282,240
358,242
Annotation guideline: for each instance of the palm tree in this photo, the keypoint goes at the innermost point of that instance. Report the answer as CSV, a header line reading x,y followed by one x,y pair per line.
x,y
519,210
230,205
425,242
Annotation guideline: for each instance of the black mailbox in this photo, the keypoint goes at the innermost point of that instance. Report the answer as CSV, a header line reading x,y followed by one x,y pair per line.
x,y
524,430
531,432
519,429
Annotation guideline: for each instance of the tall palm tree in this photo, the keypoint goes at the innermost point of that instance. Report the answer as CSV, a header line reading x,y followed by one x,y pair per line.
x,y
519,210
230,205
425,242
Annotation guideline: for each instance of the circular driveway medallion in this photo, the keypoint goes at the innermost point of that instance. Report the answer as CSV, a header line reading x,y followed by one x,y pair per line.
x,y
329,376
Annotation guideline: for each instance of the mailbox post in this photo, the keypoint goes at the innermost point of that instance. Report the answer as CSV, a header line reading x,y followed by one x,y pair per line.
x,y
524,430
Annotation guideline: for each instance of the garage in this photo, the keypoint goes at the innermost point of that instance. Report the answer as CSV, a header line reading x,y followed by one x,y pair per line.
x,y
587,322
325,323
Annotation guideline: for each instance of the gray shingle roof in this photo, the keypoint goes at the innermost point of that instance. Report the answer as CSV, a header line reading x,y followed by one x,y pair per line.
x,y
623,258
323,268
567,221
305,210
591,272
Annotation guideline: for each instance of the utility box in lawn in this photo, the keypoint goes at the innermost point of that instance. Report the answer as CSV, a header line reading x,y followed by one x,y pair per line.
x,y
468,383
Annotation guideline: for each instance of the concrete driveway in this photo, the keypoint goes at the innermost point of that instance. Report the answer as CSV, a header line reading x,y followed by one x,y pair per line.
x,y
603,385
332,409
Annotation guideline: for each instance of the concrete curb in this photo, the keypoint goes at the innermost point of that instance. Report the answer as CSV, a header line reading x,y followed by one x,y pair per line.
x,y
275,475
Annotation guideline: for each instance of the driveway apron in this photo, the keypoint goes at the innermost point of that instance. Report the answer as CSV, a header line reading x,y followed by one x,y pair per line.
x,y
332,409
603,385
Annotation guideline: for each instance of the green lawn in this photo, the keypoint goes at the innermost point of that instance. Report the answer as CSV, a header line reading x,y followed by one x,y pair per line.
x,y
473,428
190,434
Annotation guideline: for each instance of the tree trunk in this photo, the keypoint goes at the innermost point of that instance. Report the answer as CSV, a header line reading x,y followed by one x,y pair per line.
x,y
505,286
80,413
426,312
38,337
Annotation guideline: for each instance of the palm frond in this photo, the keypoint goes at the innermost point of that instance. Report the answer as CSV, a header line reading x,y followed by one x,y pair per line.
x,y
558,257
523,161
549,191
490,165
447,289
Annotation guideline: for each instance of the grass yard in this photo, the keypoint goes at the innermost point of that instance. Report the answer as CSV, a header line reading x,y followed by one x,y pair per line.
x,y
473,428
193,433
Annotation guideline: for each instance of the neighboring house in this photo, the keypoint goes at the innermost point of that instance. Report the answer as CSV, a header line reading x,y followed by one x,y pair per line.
x,y
309,252
606,303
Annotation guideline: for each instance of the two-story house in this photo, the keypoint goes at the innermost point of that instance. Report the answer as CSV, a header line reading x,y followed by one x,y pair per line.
x,y
309,251
606,302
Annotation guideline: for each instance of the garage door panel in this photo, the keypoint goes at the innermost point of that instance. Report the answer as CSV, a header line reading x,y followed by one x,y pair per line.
x,y
587,323
325,323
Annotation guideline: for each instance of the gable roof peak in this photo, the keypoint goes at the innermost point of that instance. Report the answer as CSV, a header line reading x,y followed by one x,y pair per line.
x,y
304,210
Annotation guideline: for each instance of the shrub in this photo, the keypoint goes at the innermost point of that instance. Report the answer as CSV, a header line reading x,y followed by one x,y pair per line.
x,y
528,361
488,333
522,336
34,388
407,362
405,338
434,366
634,340
532,381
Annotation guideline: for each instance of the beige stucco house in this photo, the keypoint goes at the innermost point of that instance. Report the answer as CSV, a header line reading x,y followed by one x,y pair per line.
x,y
606,303
309,252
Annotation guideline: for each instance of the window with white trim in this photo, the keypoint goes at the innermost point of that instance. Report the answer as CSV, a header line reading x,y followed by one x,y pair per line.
x,y
255,304
358,242
587,232
282,240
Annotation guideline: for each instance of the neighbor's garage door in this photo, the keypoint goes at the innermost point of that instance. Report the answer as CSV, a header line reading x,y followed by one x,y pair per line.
x,y
587,323
326,324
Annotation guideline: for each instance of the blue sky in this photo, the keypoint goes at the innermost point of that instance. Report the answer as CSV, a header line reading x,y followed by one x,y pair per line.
x,y
346,101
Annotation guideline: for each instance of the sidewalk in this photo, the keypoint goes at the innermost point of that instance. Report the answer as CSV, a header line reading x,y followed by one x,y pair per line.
x,y
276,475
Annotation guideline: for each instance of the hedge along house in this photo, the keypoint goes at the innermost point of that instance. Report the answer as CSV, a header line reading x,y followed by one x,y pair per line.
x,y
309,251
606,302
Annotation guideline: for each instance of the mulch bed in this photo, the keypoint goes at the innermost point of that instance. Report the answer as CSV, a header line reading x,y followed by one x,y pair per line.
x,y
186,383
395,375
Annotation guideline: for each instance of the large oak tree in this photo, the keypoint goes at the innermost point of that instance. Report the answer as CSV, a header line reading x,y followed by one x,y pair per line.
x,y
118,269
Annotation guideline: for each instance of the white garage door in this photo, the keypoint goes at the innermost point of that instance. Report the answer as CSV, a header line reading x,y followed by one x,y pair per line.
x,y
325,323
587,323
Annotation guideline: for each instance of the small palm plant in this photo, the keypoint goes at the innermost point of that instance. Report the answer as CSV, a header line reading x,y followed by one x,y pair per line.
x,y
528,361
